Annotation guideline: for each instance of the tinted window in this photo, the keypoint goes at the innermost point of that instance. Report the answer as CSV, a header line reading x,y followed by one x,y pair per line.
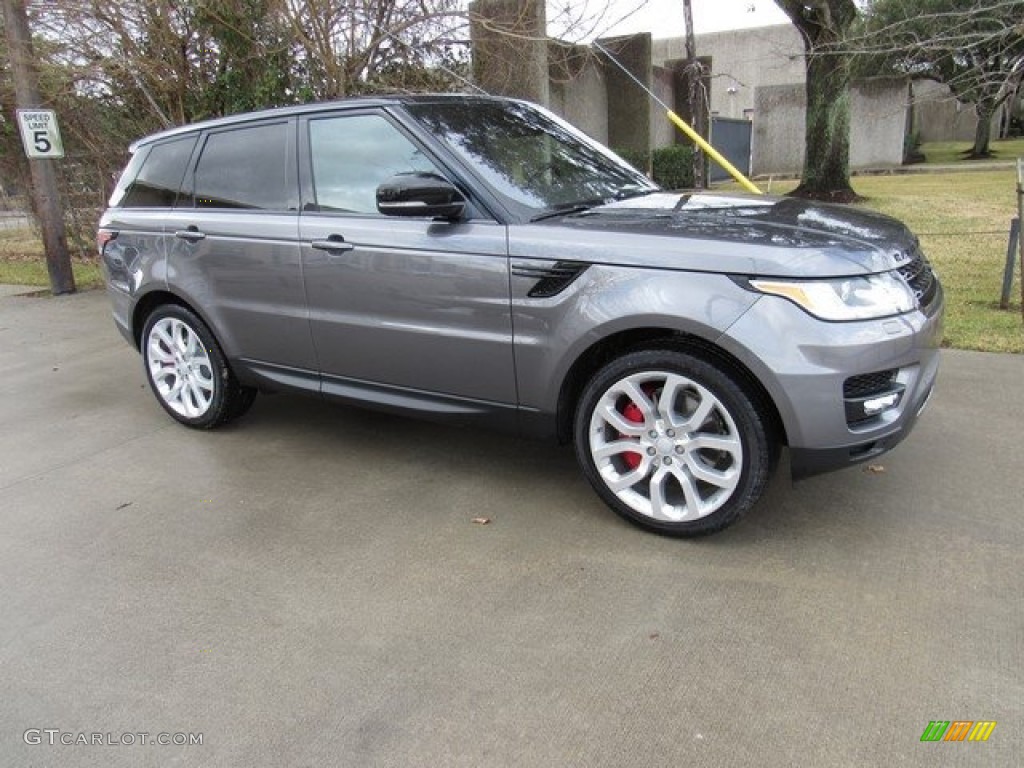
x,y
353,155
159,177
245,168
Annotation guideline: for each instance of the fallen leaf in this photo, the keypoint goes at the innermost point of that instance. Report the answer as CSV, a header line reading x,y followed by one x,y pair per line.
x,y
481,520
875,469
122,506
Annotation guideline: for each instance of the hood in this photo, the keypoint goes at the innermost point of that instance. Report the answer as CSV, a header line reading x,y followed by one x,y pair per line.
x,y
738,234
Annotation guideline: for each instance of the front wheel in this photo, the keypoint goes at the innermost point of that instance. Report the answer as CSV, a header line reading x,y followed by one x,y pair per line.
x,y
672,443
188,371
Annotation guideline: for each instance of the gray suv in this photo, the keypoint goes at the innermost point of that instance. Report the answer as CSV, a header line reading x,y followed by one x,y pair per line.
x,y
478,260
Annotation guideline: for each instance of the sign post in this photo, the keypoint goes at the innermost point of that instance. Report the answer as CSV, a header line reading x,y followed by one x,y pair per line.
x,y
1020,223
40,133
43,137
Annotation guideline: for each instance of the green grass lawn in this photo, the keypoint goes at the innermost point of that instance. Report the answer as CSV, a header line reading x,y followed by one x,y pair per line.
x,y
963,220
952,152
22,262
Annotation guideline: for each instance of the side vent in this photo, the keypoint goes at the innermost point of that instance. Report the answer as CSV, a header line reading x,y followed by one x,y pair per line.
x,y
551,279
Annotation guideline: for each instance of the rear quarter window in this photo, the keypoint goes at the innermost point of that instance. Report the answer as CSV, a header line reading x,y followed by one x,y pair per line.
x,y
154,175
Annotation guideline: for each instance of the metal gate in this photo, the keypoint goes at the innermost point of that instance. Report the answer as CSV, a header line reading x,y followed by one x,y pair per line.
x,y
732,138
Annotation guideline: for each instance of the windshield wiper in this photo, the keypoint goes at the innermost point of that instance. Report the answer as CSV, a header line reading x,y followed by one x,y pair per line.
x,y
564,210
585,205
627,193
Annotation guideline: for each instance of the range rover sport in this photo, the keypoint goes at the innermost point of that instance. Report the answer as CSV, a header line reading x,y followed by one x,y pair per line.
x,y
479,260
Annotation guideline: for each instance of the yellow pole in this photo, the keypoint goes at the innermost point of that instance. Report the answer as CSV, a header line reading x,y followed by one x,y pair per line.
x,y
713,153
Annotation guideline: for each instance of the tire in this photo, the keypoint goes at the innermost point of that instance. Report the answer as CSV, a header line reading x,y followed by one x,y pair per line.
x,y
188,372
672,443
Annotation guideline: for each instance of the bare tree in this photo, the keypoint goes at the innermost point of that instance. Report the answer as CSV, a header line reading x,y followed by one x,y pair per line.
x,y
976,47
116,71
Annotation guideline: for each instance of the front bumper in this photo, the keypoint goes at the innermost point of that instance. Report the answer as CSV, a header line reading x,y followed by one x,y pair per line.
x,y
804,363
805,462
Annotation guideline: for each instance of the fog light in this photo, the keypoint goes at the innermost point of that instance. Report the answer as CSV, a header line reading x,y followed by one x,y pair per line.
x,y
876,405
861,410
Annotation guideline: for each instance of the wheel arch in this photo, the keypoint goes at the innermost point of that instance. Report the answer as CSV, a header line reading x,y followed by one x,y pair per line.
x,y
149,302
636,339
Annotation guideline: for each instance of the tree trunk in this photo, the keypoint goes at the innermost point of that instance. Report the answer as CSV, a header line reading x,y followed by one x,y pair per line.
x,y
826,174
45,197
825,25
983,133
697,103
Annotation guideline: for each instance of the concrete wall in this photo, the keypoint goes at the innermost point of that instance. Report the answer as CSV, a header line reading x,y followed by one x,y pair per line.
x,y
510,51
578,90
663,133
741,61
629,109
778,142
939,116
878,121
756,73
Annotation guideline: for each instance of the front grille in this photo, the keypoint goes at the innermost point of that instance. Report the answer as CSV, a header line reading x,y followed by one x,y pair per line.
x,y
921,279
868,384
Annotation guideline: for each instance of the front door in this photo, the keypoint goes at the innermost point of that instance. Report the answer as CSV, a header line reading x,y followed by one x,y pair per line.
x,y
412,306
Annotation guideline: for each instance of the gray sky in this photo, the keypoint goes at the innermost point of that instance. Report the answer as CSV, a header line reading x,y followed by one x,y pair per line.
x,y
664,18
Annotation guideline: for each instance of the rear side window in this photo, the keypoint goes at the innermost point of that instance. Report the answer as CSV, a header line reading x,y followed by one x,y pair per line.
x,y
152,179
246,168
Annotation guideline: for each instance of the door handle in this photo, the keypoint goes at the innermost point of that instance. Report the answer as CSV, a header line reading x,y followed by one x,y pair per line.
x,y
192,234
333,244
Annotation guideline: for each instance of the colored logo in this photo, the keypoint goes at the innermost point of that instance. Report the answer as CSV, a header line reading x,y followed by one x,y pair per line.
x,y
958,730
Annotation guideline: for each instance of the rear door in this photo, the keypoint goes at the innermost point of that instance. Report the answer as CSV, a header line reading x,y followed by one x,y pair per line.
x,y
135,260
412,306
234,246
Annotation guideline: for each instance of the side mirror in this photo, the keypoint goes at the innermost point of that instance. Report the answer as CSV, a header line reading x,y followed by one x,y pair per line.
x,y
420,194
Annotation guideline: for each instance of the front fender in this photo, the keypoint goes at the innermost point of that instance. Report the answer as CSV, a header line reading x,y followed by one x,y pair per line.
x,y
552,334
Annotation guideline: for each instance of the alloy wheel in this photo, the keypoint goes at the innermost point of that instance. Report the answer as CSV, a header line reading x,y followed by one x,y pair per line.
x,y
666,446
180,368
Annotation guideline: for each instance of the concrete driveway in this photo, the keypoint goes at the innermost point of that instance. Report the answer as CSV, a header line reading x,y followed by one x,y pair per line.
x,y
306,588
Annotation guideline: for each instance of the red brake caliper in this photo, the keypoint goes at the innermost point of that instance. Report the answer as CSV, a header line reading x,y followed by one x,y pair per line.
x,y
633,413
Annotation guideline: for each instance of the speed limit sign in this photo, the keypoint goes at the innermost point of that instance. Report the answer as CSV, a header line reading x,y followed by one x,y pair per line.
x,y
39,133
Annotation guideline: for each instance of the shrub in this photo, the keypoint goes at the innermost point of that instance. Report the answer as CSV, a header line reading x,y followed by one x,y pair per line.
x,y
673,166
637,158
670,167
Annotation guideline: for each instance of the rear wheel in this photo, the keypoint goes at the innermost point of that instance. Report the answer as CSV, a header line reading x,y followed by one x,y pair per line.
x,y
188,372
672,443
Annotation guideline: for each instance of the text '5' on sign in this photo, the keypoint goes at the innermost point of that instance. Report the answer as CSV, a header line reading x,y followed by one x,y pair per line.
x,y
39,133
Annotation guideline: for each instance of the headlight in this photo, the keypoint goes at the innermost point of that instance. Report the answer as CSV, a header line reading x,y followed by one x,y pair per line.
x,y
845,298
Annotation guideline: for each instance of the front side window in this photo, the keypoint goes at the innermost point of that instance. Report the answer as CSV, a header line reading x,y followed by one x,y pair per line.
x,y
352,155
534,161
152,179
246,168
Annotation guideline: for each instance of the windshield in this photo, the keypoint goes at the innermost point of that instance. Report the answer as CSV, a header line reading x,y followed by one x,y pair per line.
x,y
535,162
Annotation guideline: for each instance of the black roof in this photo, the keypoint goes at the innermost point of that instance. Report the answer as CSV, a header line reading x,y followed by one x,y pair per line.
x,y
312,107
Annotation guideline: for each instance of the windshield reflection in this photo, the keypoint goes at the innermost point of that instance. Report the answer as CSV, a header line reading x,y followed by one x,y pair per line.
x,y
536,163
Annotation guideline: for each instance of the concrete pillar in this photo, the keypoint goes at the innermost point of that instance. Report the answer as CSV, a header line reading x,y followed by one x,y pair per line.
x,y
510,48
629,108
